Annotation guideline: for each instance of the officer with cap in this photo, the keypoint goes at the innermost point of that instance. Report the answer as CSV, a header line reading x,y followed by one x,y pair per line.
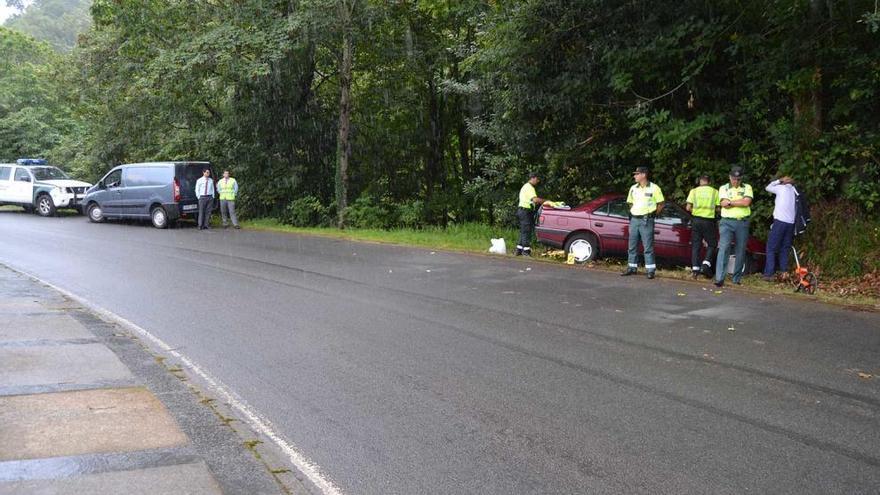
x,y
525,213
735,199
646,201
701,202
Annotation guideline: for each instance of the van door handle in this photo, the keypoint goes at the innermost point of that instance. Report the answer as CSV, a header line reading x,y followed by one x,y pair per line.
x,y
599,224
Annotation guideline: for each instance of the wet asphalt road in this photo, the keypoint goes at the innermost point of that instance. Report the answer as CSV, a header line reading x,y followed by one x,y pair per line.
x,y
401,371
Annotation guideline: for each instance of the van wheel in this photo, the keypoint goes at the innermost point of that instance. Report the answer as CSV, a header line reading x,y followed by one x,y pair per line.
x,y
583,246
96,214
45,206
159,217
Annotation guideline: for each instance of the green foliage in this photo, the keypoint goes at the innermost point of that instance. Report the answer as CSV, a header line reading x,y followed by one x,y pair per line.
x,y
307,212
855,248
57,22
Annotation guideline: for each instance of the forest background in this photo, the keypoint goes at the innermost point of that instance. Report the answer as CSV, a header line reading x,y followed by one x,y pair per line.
x,y
430,113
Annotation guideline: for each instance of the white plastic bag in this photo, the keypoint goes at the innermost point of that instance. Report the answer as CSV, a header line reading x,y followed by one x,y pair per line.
x,y
498,247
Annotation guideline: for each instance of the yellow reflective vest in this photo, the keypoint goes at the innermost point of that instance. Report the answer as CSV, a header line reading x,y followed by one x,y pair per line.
x,y
227,189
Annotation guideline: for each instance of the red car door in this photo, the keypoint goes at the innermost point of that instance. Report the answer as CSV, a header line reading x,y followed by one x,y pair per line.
x,y
672,236
611,223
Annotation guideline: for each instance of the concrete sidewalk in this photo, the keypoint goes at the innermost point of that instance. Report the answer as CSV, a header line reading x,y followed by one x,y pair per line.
x,y
86,408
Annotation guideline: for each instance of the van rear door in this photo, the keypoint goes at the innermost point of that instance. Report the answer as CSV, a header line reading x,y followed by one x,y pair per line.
x,y
187,174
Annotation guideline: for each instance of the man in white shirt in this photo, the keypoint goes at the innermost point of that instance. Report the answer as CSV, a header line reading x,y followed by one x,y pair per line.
x,y
205,193
782,231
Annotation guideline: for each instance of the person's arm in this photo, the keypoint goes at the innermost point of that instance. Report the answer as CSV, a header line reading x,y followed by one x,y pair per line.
x,y
773,187
196,189
689,205
537,201
658,197
235,187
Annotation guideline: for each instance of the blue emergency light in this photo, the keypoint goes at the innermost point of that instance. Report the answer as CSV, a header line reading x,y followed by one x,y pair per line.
x,y
31,161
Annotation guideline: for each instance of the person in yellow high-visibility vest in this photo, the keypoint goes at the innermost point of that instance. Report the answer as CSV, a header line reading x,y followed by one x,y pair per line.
x,y
228,189
528,202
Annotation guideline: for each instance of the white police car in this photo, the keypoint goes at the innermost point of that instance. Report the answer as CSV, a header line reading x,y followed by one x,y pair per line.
x,y
35,185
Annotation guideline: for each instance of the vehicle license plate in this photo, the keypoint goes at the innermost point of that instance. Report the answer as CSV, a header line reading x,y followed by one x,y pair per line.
x,y
190,207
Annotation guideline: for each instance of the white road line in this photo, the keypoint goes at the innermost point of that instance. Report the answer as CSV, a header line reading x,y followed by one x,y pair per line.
x,y
311,470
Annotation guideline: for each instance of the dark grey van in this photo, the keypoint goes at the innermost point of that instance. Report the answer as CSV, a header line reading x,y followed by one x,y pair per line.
x,y
160,191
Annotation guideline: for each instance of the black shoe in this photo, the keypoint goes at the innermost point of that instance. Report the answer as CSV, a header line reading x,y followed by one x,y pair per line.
x,y
237,227
226,226
518,252
651,275
695,274
628,272
719,283
527,253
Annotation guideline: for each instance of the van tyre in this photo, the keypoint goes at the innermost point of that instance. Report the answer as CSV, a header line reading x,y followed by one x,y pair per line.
x,y
583,244
159,217
96,214
45,206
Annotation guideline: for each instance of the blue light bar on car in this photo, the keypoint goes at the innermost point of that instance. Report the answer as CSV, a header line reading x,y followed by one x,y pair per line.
x,y
31,161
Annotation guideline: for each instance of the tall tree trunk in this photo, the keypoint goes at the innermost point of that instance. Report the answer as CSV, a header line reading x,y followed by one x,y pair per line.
x,y
343,142
434,174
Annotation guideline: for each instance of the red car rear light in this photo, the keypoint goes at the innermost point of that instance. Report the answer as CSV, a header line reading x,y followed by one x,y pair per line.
x,y
541,220
176,190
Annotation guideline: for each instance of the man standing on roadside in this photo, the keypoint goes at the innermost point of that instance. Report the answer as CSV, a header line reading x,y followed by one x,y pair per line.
x,y
701,202
205,193
735,199
525,213
227,187
782,230
646,201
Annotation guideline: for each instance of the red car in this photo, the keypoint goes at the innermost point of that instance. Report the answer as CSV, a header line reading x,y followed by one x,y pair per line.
x,y
601,227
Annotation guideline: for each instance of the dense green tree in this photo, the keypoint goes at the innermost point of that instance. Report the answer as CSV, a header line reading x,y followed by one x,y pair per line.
x,y
57,22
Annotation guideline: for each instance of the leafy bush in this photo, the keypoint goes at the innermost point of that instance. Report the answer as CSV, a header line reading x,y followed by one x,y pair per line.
x,y
306,212
367,213
411,214
842,240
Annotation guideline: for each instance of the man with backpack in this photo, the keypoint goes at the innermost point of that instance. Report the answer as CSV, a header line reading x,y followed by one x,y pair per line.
x,y
783,229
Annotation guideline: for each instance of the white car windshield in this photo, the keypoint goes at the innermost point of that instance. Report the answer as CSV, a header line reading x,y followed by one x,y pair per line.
x,y
48,173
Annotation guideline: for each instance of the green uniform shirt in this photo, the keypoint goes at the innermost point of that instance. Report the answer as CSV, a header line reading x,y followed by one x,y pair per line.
x,y
704,199
734,194
526,194
644,200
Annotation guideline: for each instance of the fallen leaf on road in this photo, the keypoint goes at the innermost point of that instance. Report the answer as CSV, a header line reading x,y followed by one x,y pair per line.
x,y
429,271
618,311
717,292
731,329
432,252
681,294
865,376
529,269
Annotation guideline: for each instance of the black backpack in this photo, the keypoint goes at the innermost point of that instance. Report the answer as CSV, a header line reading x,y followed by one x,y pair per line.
x,y
801,212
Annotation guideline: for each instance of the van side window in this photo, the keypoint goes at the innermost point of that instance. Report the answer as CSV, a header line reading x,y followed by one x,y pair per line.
x,y
5,172
22,174
113,179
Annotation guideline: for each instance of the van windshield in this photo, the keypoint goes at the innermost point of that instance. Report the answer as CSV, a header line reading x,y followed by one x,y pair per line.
x,y
48,173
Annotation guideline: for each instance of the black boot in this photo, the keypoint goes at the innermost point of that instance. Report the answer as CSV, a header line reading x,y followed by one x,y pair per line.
x,y
628,272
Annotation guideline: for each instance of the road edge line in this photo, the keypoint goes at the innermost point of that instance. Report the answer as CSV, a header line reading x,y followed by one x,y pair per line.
x,y
308,468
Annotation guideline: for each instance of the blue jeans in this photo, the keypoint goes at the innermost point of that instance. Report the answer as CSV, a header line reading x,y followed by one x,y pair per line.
x,y
731,229
779,242
641,228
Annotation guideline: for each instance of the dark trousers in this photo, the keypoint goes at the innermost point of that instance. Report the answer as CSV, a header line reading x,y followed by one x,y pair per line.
x,y
526,226
778,246
703,229
206,204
